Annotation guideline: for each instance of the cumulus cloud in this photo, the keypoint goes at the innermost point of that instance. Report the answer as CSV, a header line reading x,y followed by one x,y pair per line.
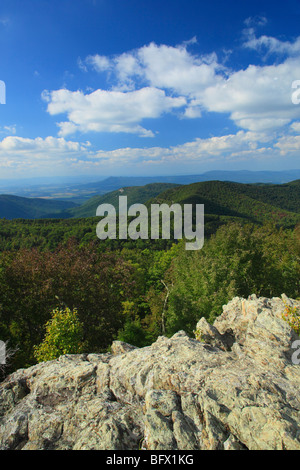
x,y
110,111
24,154
98,62
19,155
270,45
149,82
227,147
160,66
296,127
257,98
156,79
174,68
288,144
50,144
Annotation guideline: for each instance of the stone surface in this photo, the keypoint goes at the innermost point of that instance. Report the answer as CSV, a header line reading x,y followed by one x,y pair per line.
x,y
236,389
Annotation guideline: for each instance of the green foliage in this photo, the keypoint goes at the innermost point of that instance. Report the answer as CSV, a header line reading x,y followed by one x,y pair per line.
x,y
252,203
49,234
134,333
135,194
199,335
224,202
32,283
292,316
12,207
236,261
64,335
135,291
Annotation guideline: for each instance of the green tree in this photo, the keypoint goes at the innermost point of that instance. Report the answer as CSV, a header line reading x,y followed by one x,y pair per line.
x,y
238,260
33,283
64,335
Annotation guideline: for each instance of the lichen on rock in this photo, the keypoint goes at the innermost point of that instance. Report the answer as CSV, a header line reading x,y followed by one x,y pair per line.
x,y
236,389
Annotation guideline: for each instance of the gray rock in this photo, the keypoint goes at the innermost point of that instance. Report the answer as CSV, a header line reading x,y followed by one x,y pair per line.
x,y
236,389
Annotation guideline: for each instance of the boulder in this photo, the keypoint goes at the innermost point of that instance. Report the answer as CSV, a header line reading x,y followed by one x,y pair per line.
x,y
237,388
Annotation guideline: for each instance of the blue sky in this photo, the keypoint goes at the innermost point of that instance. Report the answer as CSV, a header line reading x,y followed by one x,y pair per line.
x,y
145,87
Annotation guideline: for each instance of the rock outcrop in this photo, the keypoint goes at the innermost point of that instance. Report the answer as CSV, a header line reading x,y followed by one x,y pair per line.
x,y
236,389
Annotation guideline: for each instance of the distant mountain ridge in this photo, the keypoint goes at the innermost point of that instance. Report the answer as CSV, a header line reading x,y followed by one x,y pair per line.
x,y
244,176
82,189
223,200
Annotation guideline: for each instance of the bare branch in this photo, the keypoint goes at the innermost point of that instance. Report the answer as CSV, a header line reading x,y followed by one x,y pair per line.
x,y
6,354
163,325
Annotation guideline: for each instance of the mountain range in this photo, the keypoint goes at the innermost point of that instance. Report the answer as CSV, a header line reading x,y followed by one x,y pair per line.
x,y
222,199
244,176
82,188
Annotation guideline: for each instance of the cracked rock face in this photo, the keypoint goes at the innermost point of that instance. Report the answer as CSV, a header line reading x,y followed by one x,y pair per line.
x,y
236,389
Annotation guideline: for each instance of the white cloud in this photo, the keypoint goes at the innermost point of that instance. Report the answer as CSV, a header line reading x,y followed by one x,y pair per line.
x,y
98,62
20,155
41,156
289,144
257,98
161,66
110,111
157,79
149,82
51,145
296,127
219,146
272,45
203,150
258,20
8,129
174,68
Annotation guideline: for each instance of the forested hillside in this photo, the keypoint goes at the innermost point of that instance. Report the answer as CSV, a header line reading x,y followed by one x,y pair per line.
x,y
135,194
15,207
258,203
221,198
253,202
137,290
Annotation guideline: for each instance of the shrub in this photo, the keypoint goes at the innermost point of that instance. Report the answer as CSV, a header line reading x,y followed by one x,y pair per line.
x,y
292,316
64,334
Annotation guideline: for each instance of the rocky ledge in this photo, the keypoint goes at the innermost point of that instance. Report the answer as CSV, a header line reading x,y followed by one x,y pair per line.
x,y
235,389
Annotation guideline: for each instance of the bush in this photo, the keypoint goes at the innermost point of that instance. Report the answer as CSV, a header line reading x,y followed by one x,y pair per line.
x,y
292,316
238,260
64,333
33,283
